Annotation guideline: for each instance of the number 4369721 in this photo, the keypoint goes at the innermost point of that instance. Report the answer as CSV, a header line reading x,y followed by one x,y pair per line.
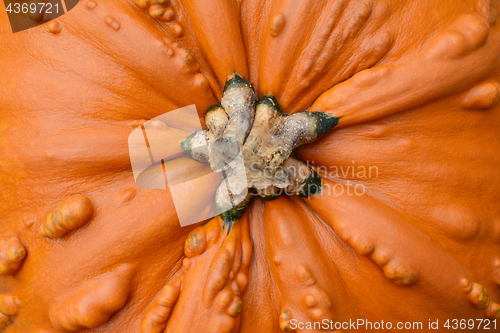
x,y
33,8
471,324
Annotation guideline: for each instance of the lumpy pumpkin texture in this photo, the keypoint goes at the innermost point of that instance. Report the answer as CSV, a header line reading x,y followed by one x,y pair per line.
x,y
407,227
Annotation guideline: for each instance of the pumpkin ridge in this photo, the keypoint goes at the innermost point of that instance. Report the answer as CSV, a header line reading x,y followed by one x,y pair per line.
x,y
368,104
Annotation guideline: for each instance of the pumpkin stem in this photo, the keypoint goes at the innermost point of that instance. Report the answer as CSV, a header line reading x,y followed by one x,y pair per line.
x,y
252,143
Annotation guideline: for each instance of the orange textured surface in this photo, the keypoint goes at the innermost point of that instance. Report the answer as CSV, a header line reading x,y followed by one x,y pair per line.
x,y
416,85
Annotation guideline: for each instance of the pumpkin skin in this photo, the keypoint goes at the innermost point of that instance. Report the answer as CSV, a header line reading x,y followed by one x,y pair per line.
x,y
416,85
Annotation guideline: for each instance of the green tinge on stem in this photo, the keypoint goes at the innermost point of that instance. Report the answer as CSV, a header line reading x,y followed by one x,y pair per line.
x,y
324,122
234,214
186,144
237,80
313,185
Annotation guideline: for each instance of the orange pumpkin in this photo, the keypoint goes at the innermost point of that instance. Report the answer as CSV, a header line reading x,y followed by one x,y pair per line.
x,y
407,228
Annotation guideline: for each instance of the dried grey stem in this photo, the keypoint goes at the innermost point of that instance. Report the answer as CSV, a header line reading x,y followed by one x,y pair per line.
x,y
252,144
